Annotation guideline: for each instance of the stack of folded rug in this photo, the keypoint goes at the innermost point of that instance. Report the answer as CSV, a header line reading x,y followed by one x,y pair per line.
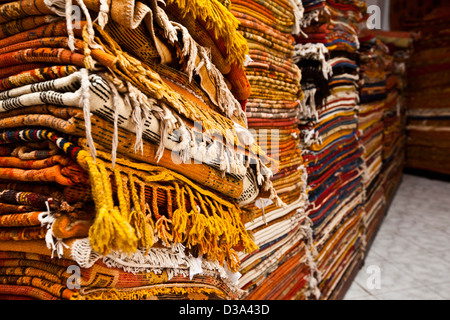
x,y
281,268
393,131
384,56
371,125
125,152
428,133
394,117
330,134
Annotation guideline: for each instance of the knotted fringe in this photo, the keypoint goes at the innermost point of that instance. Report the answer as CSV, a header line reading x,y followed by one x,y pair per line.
x,y
69,22
311,17
196,218
116,102
149,83
308,108
111,230
56,245
143,107
221,22
314,51
173,261
64,8
225,100
136,108
263,178
198,58
141,113
85,106
298,10
103,14
312,291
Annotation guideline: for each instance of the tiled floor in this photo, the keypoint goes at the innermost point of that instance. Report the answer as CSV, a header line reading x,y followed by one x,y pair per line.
x,y
410,256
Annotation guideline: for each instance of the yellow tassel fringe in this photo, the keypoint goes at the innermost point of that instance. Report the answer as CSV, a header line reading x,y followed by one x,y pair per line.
x,y
199,219
110,230
146,294
219,20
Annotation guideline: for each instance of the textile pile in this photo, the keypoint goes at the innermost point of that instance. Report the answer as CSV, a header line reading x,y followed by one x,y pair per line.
x,y
125,153
371,127
382,118
428,137
394,117
332,146
281,267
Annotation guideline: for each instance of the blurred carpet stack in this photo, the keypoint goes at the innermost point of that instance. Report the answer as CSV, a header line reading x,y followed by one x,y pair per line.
x,y
371,125
393,133
206,149
333,151
281,268
382,118
394,137
124,150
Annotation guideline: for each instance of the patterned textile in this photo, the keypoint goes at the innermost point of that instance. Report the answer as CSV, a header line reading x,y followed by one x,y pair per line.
x,y
125,150
282,234
383,57
332,146
201,149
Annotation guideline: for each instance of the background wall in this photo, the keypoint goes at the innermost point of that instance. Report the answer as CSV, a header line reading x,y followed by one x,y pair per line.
x,y
406,11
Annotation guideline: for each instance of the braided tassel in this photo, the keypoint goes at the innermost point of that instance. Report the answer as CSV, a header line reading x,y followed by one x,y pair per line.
x,y
110,230
138,221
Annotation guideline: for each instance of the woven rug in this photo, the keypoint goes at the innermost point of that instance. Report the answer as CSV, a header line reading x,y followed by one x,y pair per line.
x,y
126,135
169,150
333,147
275,103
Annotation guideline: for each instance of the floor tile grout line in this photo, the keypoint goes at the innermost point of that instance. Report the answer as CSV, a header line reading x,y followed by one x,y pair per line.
x,y
407,273
364,289
438,292
391,290
403,213
406,290
400,290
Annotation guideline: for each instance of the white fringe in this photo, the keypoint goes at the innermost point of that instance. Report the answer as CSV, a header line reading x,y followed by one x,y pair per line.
x,y
85,105
173,260
115,138
299,11
63,8
69,23
56,245
103,14
316,51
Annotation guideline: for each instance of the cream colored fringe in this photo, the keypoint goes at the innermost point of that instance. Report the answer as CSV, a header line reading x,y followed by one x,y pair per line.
x,y
299,11
56,245
172,259
192,51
